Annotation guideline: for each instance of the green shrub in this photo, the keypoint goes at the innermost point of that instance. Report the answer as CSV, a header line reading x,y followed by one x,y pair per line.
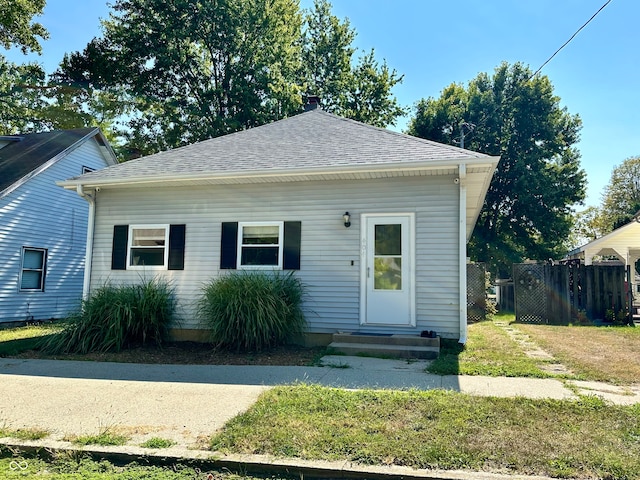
x,y
116,316
252,311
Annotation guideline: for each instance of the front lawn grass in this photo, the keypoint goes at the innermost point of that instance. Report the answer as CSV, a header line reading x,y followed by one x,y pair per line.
x,y
440,429
607,354
488,351
17,340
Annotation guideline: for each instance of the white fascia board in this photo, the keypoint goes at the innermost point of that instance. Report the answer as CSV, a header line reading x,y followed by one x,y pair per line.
x,y
598,241
488,162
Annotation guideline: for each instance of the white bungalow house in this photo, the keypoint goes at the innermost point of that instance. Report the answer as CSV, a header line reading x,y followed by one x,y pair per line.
x,y
375,223
42,227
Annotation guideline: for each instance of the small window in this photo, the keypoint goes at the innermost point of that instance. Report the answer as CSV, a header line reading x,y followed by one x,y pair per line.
x,y
260,245
87,169
32,274
148,246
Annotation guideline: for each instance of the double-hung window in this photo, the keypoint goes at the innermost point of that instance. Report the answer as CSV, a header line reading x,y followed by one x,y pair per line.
x,y
157,247
273,245
148,246
32,273
260,245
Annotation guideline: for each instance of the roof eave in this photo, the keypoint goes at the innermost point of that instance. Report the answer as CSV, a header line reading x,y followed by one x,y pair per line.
x,y
289,173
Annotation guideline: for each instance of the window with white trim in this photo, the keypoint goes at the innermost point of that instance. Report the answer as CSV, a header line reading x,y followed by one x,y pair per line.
x,y
148,246
260,245
32,272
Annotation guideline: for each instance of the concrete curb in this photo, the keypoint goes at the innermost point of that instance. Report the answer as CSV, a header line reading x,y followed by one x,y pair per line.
x,y
259,464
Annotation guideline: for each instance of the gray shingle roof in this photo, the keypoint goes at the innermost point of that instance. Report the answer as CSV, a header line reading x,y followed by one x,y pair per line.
x,y
29,151
310,140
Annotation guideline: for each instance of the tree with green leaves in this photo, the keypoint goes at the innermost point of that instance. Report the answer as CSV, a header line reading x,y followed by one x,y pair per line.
x,y
360,90
191,71
184,71
589,224
20,102
515,115
29,101
621,198
17,28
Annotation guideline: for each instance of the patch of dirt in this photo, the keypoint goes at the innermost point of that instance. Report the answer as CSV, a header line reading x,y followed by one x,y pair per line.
x,y
193,353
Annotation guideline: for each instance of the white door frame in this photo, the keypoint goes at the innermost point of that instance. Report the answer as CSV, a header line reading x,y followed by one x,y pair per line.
x,y
364,264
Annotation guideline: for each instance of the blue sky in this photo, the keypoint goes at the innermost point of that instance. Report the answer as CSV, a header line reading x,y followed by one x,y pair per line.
x,y
435,43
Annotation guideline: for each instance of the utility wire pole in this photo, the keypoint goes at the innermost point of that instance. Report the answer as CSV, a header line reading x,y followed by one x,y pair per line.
x,y
469,127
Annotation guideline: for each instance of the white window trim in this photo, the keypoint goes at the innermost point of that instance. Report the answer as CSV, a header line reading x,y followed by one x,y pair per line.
x,y
43,270
165,264
241,226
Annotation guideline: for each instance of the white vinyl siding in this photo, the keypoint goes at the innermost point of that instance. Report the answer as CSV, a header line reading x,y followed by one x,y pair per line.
x,y
41,214
330,253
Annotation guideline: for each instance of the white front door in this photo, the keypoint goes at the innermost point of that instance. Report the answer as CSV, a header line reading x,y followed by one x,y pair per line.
x,y
387,276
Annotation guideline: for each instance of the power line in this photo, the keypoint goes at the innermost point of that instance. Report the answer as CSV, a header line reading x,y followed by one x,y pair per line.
x,y
572,37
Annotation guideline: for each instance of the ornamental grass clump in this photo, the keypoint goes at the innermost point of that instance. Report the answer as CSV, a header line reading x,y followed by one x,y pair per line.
x,y
253,311
114,317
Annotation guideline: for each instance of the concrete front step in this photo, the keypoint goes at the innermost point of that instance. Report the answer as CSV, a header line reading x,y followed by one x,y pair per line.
x,y
402,346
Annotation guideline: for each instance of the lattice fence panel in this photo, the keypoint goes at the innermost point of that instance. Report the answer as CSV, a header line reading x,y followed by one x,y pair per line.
x,y
476,292
530,293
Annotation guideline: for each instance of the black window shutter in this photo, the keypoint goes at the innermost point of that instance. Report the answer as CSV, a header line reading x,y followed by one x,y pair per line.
x,y
229,245
291,253
119,248
176,247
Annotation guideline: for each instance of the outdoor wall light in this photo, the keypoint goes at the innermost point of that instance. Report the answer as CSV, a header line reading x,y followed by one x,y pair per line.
x,y
347,219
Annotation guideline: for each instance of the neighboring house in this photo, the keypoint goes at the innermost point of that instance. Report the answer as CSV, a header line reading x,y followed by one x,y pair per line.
x,y
623,243
373,222
43,229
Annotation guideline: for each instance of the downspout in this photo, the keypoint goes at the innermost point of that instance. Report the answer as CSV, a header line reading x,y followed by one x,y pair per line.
x,y
88,256
462,251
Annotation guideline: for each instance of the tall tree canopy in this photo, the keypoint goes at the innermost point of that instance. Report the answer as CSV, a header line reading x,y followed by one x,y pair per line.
x,y
359,90
621,197
187,71
193,70
527,210
28,100
17,28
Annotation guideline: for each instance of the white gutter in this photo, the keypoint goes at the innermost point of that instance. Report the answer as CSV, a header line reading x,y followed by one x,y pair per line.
x,y
98,179
88,256
462,251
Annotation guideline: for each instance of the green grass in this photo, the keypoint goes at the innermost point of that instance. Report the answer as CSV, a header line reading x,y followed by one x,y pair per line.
x,y
606,354
440,429
105,438
74,466
157,442
488,351
24,433
20,339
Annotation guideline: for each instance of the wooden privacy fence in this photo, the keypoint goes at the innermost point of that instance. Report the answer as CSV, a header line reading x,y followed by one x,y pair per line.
x,y
560,294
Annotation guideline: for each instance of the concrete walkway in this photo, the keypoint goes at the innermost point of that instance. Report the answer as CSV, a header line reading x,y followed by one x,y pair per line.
x,y
187,403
